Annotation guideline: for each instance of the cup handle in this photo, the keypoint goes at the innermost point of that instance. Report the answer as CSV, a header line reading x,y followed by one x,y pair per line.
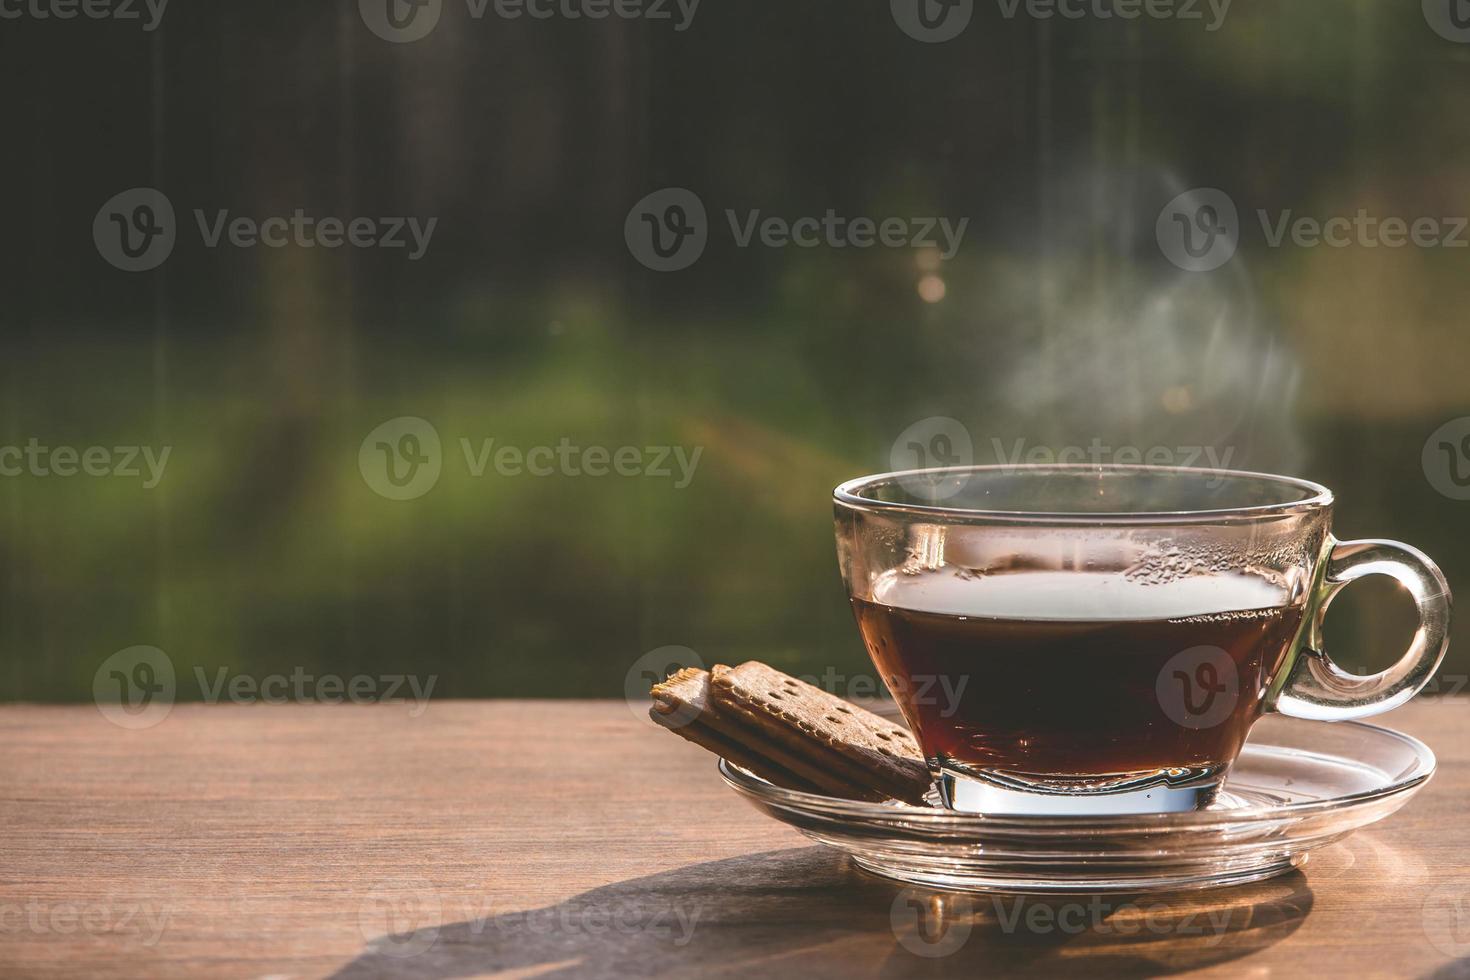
x,y
1316,688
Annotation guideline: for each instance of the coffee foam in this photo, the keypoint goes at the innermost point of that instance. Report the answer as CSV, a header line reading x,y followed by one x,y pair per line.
x,y
1066,596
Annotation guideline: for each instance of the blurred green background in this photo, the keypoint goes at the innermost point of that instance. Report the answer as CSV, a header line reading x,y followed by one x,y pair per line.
x,y
264,549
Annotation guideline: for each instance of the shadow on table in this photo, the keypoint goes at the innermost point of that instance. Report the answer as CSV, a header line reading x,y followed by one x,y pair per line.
x,y
807,911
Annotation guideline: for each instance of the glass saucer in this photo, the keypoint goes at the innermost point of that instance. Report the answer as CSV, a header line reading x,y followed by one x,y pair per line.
x,y
1297,786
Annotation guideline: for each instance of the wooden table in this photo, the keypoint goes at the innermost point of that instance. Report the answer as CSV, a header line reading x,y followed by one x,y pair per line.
x,y
574,839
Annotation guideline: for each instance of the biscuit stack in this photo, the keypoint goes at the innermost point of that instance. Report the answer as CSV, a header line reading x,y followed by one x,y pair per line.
x,y
792,733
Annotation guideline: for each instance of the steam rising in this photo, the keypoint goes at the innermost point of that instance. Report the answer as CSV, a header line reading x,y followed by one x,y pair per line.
x,y
1131,351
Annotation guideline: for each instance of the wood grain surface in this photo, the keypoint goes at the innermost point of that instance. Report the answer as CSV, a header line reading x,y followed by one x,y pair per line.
x,y
571,839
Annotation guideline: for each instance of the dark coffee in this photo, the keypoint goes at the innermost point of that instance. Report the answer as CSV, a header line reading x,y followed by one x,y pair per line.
x,y
1062,674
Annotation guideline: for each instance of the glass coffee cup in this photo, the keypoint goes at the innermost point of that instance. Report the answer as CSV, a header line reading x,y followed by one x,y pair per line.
x,y
1101,639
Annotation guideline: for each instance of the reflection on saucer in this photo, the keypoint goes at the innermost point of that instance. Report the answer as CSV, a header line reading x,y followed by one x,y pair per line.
x,y
1305,784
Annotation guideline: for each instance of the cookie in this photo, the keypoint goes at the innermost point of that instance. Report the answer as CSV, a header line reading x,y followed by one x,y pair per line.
x,y
683,704
836,736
